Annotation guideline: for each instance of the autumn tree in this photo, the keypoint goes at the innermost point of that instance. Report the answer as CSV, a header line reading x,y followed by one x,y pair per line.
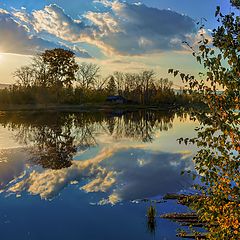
x,y
236,3
218,138
52,68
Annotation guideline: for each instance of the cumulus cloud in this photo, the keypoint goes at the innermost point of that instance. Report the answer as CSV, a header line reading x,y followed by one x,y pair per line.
x,y
16,36
119,28
144,29
105,21
53,20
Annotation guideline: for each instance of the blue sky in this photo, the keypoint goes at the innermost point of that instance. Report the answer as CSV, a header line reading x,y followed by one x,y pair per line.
x,y
119,35
195,9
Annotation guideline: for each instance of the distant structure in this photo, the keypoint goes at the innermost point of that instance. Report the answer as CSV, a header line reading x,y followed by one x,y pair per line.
x,y
116,99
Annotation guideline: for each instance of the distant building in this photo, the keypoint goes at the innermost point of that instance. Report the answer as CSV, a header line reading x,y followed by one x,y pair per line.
x,y
116,99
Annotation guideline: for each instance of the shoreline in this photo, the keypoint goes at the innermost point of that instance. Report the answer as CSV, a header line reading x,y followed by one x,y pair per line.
x,y
86,107
89,107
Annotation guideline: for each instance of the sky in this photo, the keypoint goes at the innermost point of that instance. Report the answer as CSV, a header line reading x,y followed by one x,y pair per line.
x,y
117,35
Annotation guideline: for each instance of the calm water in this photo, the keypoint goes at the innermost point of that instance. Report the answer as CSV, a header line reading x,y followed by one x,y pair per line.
x,y
83,175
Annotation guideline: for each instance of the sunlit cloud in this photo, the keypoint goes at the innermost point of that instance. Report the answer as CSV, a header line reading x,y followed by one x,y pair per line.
x,y
119,29
117,35
16,36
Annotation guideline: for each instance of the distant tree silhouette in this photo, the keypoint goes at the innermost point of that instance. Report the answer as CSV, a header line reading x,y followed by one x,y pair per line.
x,y
61,66
87,75
111,86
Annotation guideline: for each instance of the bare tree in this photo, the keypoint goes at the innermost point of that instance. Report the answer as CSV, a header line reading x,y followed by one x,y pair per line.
x,y
24,76
147,79
87,74
119,80
131,81
164,84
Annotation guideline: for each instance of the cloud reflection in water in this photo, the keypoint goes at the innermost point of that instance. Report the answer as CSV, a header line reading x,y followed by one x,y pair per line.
x,y
114,171
114,155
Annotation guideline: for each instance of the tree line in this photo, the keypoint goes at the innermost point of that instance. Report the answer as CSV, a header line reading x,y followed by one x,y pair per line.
x,y
55,137
54,76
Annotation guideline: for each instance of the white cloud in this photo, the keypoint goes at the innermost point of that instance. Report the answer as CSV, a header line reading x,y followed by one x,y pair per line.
x,y
48,183
53,20
105,22
12,162
145,30
17,36
2,11
120,28
112,199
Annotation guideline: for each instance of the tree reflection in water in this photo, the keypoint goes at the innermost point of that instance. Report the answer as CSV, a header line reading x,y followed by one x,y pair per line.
x,y
54,138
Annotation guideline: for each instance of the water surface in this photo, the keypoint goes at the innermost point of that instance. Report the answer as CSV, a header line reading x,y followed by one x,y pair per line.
x,y
84,175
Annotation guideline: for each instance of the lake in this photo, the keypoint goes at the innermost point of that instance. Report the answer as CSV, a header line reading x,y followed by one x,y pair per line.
x,y
75,175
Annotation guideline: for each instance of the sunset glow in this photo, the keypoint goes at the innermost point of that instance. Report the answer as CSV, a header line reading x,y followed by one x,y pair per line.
x,y
113,34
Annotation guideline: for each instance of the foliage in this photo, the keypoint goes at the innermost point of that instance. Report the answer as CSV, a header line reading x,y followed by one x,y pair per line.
x,y
54,137
54,77
235,3
54,68
218,139
61,66
151,212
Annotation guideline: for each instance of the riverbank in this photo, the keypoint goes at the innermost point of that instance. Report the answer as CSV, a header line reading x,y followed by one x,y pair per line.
x,y
91,107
